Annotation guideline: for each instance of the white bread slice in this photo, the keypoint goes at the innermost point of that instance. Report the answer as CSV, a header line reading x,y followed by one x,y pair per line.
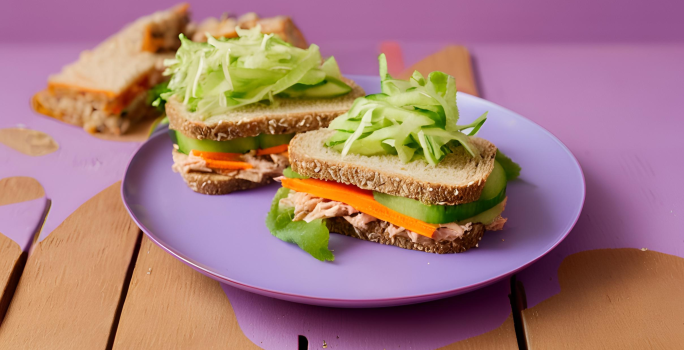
x,y
458,179
289,116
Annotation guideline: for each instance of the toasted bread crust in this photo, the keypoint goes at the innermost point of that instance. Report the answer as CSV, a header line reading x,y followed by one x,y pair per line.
x,y
275,121
387,181
377,233
214,184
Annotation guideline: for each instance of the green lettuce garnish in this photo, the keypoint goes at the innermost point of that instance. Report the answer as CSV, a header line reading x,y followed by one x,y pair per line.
x,y
415,118
154,96
511,168
223,74
312,237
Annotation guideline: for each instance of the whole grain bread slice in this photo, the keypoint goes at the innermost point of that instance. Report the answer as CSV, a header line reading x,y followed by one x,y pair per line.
x,y
216,184
377,232
458,179
290,115
213,183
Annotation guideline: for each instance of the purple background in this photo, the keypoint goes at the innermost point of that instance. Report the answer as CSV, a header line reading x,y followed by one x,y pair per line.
x,y
362,20
616,106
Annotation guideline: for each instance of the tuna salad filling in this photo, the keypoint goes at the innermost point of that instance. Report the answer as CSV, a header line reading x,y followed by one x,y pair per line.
x,y
309,208
265,166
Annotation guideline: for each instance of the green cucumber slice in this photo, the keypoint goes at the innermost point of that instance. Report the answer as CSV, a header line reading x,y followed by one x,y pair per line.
x,y
331,88
240,145
291,174
495,182
268,141
486,217
442,214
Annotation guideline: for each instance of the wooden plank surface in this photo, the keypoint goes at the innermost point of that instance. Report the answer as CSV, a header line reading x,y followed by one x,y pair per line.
x,y
171,306
19,189
12,261
13,190
69,294
612,299
585,294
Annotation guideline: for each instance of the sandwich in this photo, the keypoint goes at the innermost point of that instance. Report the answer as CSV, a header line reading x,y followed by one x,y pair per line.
x,y
233,104
105,90
282,26
396,169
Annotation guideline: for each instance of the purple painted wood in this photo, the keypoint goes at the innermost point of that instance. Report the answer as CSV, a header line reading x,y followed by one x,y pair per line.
x,y
19,221
84,165
618,109
275,324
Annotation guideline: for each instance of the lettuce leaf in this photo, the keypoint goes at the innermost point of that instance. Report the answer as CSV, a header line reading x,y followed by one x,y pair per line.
x,y
312,237
511,168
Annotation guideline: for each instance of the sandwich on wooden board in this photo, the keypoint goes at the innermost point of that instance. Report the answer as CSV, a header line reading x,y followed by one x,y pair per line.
x,y
233,104
396,169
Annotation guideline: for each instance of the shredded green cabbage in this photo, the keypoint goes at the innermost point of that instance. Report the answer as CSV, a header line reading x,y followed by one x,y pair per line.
x,y
223,74
411,118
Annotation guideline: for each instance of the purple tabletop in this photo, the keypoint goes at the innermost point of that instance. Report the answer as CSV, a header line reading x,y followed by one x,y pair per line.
x,y
615,106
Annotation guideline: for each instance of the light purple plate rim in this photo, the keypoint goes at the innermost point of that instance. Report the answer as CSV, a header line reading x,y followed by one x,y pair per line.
x,y
336,302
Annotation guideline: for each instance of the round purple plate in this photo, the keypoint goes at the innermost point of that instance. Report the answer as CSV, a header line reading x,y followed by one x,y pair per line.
x,y
225,238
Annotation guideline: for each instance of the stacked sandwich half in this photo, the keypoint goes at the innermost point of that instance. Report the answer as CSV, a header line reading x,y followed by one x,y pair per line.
x,y
234,104
396,169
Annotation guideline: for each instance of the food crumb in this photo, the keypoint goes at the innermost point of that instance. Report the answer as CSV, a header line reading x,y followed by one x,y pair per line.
x,y
502,240
428,263
644,249
477,245
324,345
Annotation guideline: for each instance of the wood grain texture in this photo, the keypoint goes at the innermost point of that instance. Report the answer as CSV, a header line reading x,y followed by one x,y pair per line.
x,y
171,306
454,60
70,291
12,261
19,189
501,338
612,299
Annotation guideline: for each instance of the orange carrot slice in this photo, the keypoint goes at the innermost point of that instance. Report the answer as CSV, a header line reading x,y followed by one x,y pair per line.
x,y
361,200
216,155
272,150
227,164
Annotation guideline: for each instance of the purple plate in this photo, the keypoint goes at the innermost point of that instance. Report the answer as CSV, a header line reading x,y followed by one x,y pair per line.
x,y
225,238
